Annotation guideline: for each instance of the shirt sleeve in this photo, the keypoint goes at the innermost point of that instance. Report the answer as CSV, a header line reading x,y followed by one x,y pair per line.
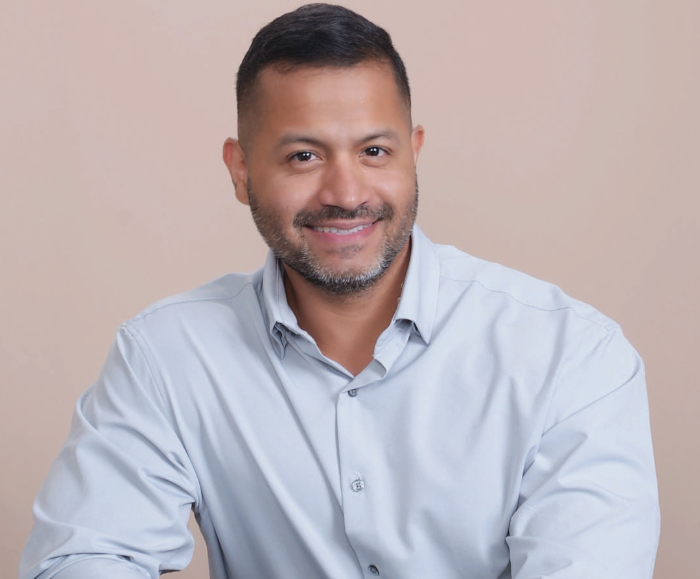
x,y
588,504
117,499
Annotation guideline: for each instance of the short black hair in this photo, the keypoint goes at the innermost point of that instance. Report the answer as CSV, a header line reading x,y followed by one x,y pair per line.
x,y
317,35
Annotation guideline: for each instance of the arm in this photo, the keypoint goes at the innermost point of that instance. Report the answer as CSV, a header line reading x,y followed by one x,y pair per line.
x,y
588,504
117,499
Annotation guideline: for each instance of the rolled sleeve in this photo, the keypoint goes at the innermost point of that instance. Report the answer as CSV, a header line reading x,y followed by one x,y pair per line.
x,y
589,503
117,499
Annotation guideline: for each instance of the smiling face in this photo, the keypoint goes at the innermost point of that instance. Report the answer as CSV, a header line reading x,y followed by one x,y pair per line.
x,y
329,172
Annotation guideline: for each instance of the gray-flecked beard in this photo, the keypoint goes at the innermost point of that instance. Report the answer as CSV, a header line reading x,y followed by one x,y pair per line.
x,y
306,264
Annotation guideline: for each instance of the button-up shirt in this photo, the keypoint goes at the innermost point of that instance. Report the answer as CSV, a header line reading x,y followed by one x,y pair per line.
x,y
501,430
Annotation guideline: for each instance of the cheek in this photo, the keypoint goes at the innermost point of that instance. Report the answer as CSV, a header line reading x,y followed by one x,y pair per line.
x,y
287,207
293,194
397,188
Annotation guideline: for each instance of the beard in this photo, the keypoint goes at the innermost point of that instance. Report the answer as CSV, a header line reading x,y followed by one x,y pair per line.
x,y
299,257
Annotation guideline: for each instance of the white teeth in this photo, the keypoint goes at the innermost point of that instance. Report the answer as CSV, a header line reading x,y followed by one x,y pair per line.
x,y
340,231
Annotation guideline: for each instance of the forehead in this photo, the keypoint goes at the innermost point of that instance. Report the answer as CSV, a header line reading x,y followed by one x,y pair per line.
x,y
328,97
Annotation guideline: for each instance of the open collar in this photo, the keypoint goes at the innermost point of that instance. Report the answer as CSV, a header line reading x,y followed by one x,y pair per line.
x,y
417,305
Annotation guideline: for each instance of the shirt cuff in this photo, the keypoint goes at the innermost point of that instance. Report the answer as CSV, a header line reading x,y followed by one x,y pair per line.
x,y
101,567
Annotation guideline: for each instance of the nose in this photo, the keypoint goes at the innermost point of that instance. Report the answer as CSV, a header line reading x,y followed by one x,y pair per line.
x,y
344,184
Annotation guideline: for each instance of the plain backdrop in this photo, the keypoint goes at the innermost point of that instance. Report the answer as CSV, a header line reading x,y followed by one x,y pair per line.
x,y
562,139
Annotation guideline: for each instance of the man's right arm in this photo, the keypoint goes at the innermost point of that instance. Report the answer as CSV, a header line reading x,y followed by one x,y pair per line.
x,y
117,499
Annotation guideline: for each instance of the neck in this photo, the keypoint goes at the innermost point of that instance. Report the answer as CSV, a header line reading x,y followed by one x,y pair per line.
x,y
346,328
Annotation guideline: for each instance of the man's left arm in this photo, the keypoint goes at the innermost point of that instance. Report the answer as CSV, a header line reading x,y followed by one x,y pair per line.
x,y
589,503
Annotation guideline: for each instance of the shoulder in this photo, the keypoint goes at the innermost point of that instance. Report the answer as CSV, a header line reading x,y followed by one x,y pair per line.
x,y
506,286
228,297
534,327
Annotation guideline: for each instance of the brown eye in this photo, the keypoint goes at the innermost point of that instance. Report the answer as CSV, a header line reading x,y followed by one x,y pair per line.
x,y
303,156
374,151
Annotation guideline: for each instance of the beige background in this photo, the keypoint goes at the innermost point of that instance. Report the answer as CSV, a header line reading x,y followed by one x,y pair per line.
x,y
562,139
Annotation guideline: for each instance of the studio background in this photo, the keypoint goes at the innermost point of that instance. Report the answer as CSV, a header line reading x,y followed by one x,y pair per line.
x,y
562,139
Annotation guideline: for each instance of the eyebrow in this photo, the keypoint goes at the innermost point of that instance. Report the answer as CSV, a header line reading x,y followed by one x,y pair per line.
x,y
292,138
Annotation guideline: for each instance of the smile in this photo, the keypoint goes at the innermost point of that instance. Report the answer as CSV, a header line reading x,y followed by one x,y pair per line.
x,y
341,231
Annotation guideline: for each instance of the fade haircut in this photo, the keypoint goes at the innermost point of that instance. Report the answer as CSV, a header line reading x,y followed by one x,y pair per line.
x,y
315,35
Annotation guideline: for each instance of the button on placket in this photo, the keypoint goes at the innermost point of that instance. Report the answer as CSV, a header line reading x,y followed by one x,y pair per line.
x,y
354,415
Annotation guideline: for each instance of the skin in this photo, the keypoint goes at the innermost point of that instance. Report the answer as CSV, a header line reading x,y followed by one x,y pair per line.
x,y
323,139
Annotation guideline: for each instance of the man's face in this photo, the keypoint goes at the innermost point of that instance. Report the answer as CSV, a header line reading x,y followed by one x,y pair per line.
x,y
329,172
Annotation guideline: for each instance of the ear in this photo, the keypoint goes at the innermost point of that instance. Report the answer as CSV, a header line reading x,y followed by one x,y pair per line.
x,y
234,159
417,136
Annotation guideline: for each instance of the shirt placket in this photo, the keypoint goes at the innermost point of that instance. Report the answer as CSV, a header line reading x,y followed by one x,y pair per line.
x,y
357,475
358,472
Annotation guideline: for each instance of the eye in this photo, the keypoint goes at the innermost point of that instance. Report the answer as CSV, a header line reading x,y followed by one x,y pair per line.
x,y
374,151
302,156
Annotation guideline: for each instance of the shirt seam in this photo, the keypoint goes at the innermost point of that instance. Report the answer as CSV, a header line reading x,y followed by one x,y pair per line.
x,y
147,313
557,382
611,326
132,332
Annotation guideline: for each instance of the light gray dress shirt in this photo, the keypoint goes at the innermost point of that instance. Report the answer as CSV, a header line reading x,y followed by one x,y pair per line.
x,y
501,430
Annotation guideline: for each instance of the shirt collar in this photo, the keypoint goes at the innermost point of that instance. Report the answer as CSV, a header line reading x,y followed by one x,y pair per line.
x,y
418,301
419,295
280,316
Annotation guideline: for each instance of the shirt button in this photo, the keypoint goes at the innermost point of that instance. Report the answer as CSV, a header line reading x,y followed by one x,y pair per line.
x,y
357,485
352,392
373,569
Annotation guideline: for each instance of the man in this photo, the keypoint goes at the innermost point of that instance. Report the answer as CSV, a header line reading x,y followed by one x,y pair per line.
x,y
368,403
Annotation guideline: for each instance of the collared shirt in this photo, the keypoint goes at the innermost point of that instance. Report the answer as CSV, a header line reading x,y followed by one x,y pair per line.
x,y
500,430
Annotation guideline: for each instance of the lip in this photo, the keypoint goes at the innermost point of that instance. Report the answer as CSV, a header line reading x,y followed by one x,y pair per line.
x,y
342,238
343,223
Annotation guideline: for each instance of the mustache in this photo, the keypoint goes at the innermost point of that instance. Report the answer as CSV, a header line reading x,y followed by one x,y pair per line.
x,y
306,217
